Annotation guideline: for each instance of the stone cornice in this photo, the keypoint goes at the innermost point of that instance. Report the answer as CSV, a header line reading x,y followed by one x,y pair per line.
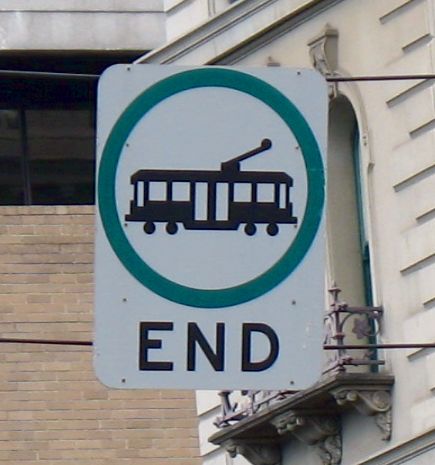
x,y
405,452
241,38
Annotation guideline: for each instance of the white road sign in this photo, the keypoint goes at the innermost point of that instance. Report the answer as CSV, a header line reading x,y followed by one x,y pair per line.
x,y
209,259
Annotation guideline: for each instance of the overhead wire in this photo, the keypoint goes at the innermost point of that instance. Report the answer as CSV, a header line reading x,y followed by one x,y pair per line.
x,y
423,345
91,77
331,78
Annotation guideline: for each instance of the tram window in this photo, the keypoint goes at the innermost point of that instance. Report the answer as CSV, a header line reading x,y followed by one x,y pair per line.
x,y
157,190
282,195
140,194
265,192
181,191
242,192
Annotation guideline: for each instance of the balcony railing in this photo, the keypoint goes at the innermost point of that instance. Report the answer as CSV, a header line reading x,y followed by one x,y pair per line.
x,y
344,326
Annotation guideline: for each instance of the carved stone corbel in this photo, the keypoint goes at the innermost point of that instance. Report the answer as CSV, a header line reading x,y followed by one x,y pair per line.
x,y
288,422
384,422
375,403
323,51
256,452
320,431
330,450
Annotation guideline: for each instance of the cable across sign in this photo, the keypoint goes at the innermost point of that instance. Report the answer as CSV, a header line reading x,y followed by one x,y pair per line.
x,y
209,245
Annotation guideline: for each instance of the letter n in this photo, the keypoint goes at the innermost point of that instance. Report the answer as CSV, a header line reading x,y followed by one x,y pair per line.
x,y
195,336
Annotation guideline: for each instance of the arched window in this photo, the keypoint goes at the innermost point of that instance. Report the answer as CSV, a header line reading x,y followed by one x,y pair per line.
x,y
348,248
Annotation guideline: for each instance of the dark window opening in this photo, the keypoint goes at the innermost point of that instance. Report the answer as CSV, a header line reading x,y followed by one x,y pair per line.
x,y
47,128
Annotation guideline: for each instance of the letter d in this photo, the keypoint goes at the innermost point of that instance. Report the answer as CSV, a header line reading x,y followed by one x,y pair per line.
x,y
247,330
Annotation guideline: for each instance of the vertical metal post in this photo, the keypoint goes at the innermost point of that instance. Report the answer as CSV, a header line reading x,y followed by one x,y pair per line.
x,y
337,328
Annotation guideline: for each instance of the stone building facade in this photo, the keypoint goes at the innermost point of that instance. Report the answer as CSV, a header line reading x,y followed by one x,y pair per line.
x,y
380,219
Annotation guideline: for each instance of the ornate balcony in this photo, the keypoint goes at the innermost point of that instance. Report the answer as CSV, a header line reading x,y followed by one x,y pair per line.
x,y
254,423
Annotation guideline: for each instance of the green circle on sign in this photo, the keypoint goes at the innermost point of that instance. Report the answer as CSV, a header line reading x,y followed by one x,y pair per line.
x,y
279,103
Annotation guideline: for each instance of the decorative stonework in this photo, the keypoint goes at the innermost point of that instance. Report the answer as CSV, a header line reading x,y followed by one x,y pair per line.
x,y
309,429
256,452
323,51
311,417
330,450
320,431
374,402
287,422
384,422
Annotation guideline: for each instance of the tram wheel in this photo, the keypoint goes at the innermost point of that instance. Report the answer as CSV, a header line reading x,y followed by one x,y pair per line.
x,y
272,229
149,228
250,229
171,228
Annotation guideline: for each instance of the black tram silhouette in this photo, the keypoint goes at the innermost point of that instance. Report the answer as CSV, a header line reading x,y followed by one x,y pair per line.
x,y
213,200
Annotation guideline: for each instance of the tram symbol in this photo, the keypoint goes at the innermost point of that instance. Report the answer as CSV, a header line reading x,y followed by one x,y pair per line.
x,y
213,200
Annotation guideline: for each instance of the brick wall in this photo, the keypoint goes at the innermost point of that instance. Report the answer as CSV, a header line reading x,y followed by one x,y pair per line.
x,y
52,409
